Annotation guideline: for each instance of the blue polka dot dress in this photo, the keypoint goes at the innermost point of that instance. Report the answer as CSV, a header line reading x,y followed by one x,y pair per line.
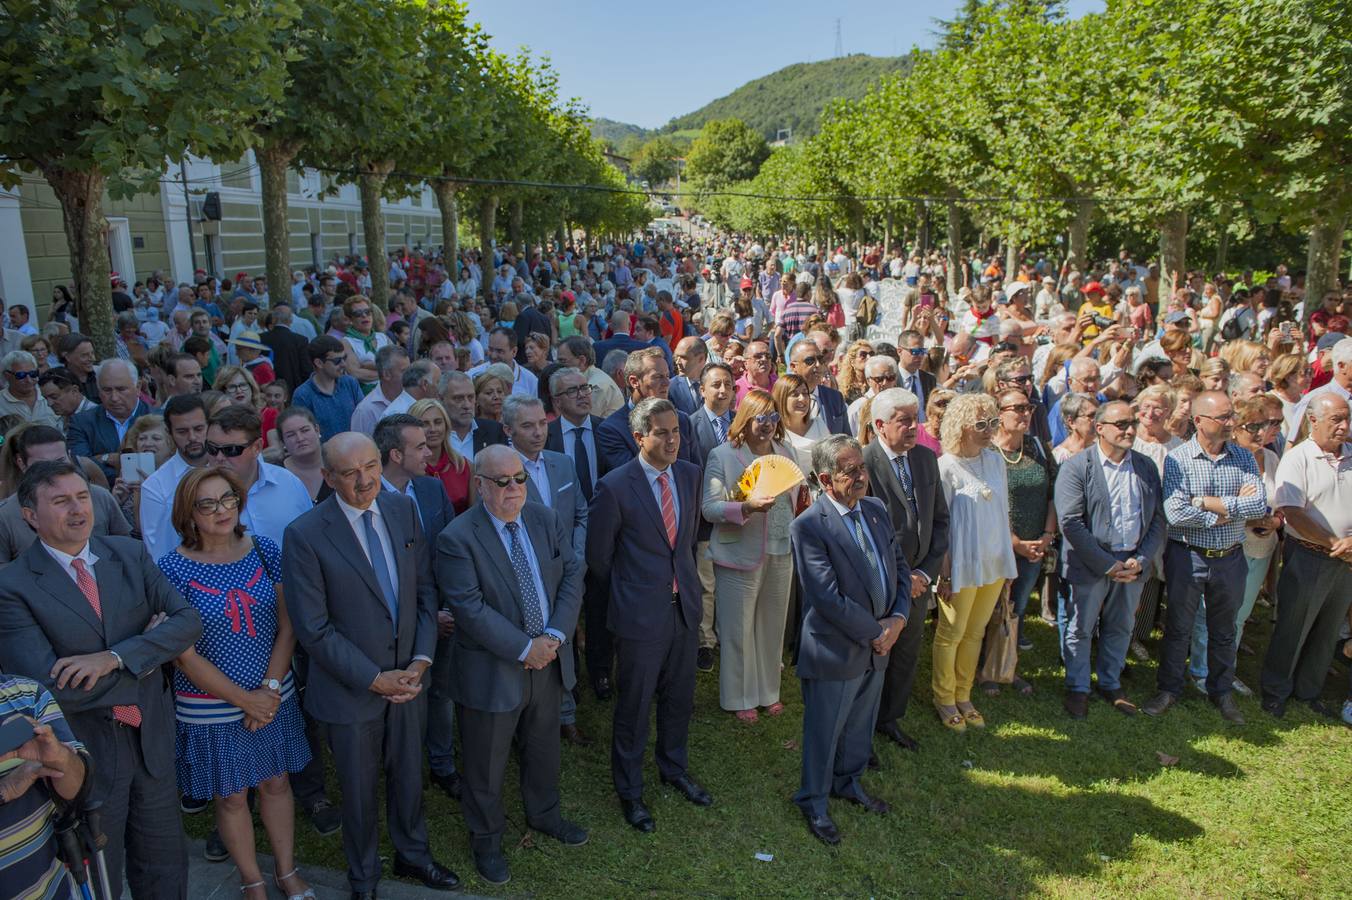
x,y
217,755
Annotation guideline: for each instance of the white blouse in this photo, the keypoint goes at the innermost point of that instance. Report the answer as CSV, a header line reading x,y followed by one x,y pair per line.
x,y
979,543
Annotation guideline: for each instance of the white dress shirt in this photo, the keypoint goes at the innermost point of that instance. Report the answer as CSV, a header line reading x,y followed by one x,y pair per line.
x,y
65,560
845,513
651,474
1124,499
537,472
354,518
533,562
464,445
568,433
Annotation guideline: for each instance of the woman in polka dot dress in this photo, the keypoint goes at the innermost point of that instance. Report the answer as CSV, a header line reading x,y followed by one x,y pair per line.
x,y
239,721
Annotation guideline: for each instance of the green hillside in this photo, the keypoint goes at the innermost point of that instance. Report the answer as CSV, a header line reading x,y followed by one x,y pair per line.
x,y
794,96
614,133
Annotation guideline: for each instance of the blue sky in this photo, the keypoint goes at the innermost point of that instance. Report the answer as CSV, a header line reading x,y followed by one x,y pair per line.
x,y
647,62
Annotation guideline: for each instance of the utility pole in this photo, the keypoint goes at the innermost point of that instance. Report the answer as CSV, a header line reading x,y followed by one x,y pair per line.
x,y
840,44
187,211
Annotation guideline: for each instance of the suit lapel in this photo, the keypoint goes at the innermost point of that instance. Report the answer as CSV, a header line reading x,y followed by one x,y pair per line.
x,y
838,528
648,501
53,580
344,540
491,544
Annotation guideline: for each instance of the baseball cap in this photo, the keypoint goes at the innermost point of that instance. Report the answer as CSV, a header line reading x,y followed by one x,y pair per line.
x,y
1093,287
1175,317
1328,340
1014,287
747,283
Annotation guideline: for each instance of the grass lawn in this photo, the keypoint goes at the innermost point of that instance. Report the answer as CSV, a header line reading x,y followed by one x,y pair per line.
x,y
1035,804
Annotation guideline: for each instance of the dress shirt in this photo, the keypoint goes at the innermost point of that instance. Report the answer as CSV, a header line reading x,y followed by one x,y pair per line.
x,y
535,469
1189,472
1124,499
464,445
372,408
157,506
407,492
714,417
906,463
588,440
121,426
276,499
65,560
651,474
1319,483
524,381
523,536
399,405
354,518
845,514
911,381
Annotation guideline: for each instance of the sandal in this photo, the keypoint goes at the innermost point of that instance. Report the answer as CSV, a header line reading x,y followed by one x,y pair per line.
x,y
990,688
954,722
748,716
973,718
1022,686
245,888
774,709
307,894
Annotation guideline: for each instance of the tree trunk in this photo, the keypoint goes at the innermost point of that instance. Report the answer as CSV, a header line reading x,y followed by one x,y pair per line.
x,y
273,160
372,185
887,232
488,213
81,198
1223,218
449,203
1173,252
954,248
1011,258
1321,265
921,228
1077,253
515,213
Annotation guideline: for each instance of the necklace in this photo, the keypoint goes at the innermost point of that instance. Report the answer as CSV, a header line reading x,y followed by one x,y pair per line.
x,y
1018,456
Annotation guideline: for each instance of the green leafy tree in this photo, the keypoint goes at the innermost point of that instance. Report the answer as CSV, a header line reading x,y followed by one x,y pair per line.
x,y
96,94
655,161
726,151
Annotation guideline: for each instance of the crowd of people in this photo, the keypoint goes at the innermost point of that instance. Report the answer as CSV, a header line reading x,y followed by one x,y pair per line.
x,y
277,531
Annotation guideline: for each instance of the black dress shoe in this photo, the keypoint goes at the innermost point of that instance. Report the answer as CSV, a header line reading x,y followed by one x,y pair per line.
x,y
1229,709
1320,708
822,828
450,784
894,734
704,659
1076,704
870,803
1159,704
873,762
602,688
492,867
637,815
570,834
574,735
691,789
433,875
1274,707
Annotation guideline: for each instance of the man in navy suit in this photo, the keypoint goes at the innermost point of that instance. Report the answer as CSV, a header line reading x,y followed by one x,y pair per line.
x,y
856,598
404,456
692,355
1110,504
620,325
710,425
648,376
809,363
98,432
641,537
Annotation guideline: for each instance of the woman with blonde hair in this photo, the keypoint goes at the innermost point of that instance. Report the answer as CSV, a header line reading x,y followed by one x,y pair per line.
x,y
753,569
1290,377
450,467
1215,374
851,381
976,567
362,338
1246,356
491,387
930,434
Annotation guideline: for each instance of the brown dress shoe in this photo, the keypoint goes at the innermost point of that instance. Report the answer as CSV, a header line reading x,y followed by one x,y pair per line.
x,y
574,735
1077,704
1118,698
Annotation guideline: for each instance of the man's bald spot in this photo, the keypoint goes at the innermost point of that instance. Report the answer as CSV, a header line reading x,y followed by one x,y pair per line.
x,y
803,346
340,448
686,344
1327,404
1210,403
497,460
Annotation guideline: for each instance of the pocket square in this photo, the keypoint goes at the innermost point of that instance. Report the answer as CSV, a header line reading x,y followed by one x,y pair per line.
x,y
564,488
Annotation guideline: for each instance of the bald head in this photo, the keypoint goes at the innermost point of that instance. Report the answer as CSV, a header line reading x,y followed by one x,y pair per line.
x,y
352,468
1326,404
495,460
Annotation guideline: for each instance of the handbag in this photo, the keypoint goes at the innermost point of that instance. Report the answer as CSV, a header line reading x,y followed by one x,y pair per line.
x,y
1001,642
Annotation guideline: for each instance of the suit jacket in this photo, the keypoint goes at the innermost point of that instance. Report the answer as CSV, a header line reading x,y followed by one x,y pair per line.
x,y
91,433
1084,509
487,433
290,355
734,541
479,586
842,606
567,501
340,615
44,617
924,532
616,445
434,507
833,409
627,544
702,432
554,441
682,396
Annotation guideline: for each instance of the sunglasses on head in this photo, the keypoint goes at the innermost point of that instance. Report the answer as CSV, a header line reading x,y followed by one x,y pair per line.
x,y
227,450
518,478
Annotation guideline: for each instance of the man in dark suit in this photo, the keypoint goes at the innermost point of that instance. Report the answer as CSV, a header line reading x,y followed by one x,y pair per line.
x,y
467,434
98,432
856,598
808,362
620,326
508,571
290,351
93,620
404,456
709,425
648,376
912,376
642,538
692,355
906,478
1111,508
529,320
359,588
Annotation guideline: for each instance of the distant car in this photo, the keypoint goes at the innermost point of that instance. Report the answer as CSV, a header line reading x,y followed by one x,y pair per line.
x,y
676,211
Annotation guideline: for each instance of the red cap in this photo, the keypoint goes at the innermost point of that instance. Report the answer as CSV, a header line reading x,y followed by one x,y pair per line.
x,y
747,283
1093,287
241,275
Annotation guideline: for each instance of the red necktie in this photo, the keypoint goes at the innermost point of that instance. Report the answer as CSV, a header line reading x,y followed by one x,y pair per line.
x,y
127,715
668,515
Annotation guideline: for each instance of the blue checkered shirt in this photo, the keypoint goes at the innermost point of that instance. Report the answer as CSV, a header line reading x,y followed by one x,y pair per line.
x,y
1189,472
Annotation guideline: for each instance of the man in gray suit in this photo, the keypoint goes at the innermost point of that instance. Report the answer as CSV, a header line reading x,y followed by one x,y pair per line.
x,y
710,423
404,456
93,620
856,599
508,570
358,578
1110,504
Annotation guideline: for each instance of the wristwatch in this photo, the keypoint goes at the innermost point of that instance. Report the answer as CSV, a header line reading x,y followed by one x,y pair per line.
x,y
1196,502
273,684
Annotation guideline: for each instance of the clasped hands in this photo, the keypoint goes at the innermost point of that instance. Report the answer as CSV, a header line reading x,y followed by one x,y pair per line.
x,y
42,754
1126,571
86,669
892,626
543,651
401,685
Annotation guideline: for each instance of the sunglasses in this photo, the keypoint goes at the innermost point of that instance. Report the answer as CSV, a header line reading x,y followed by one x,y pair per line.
x,y
215,504
810,360
767,419
863,354
1259,427
1123,424
1020,408
229,451
518,478
1019,379
885,379
25,375
916,351
334,360
363,312
986,424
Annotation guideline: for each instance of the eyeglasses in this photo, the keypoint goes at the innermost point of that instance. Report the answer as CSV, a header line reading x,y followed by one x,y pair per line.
x,y
214,504
229,451
238,387
518,478
771,418
1228,417
986,424
1260,427
1123,424
810,360
916,351
573,393
361,313
25,375
1020,408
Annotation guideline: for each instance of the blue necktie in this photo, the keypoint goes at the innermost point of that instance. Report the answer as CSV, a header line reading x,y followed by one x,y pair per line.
x,y
720,428
857,529
380,564
532,619
906,484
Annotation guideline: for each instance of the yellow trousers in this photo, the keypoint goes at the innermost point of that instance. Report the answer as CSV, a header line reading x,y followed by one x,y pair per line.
x,y
957,641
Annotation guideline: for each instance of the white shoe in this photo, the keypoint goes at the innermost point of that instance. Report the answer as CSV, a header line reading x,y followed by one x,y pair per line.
x,y
1241,688
1199,683
1347,712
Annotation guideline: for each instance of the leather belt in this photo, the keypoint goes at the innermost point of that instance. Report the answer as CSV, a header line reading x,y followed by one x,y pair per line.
x,y
1208,552
1313,548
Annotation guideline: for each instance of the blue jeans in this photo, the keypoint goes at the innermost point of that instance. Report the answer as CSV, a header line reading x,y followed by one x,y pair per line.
x,y
1021,588
1111,606
1253,583
1189,575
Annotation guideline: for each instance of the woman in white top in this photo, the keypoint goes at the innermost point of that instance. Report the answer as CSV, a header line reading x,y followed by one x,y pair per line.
x,y
1290,375
975,571
363,339
802,431
1154,407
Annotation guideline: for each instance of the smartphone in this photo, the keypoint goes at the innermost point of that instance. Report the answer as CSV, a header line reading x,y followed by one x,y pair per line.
x,y
14,734
928,299
137,467
1288,330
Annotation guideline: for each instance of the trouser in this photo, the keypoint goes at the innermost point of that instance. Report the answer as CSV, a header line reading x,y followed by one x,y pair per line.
x,y
752,607
1190,576
899,676
1111,606
307,785
488,738
441,713
957,640
1253,583
361,750
1313,593
1021,588
662,669
708,637
838,722
600,642
1147,609
140,818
